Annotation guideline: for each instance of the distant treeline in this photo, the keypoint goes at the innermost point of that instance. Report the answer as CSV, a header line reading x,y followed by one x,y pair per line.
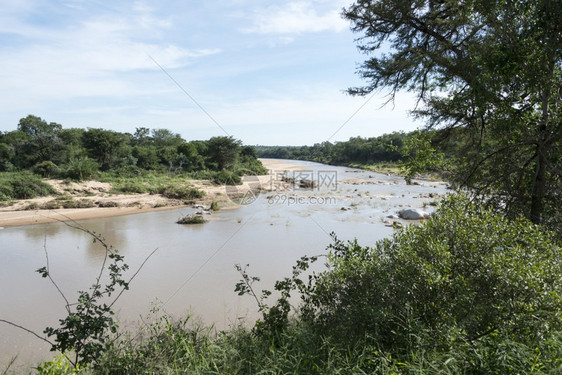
x,y
50,150
386,148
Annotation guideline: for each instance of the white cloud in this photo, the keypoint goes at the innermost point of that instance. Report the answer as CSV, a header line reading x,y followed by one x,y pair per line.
x,y
94,56
296,18
86,63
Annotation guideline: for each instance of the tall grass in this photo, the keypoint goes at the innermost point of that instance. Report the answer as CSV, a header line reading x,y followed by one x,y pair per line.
x,y
171,346
174,186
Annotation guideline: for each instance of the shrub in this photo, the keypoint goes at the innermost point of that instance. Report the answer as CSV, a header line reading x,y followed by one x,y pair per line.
x,y
80,203
46,168
179,192
215,206
23,185
51,205
79,169
225,177
134,187
109,204
467,276
189,219
86,332
31,206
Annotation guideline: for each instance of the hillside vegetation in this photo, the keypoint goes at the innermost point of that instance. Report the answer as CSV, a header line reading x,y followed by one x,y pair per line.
x,y
134,163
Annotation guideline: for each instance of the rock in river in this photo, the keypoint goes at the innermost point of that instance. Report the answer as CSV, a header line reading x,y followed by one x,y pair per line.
x,y
413,214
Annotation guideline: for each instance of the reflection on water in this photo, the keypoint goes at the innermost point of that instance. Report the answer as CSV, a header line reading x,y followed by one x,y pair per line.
x,y
193,268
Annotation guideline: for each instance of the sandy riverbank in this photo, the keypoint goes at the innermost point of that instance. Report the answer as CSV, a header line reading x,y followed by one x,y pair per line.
x,y
106,204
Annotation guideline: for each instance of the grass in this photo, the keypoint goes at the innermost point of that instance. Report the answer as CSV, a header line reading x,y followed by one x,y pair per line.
x,y
173,186
384,168
178,192
215,206
394,169
171,346
57,203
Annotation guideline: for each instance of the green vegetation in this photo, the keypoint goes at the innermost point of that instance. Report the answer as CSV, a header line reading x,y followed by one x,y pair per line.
x,y
23,185
215,206
156,162
51,151
179,192
393,153
64,203
84,333
192,219
385,168
385,148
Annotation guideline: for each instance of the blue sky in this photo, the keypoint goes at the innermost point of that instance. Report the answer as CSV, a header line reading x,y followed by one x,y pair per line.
x,y
268,72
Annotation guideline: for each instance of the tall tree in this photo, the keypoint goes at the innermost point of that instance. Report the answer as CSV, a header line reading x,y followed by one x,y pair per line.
x,y
43,142
105,146
492,67
223,151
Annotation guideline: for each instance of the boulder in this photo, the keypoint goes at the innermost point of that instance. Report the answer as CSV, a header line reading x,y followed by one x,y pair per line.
x,y
307,184
413,214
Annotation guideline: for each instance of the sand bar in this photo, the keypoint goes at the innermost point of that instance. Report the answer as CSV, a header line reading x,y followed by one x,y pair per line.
x,y
19,213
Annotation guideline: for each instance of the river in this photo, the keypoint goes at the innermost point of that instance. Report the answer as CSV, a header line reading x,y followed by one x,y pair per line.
x,y
193,269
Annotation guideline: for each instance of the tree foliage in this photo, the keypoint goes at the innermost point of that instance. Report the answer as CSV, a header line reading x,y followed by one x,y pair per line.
x,y
385,148
50,150
465,274
492,67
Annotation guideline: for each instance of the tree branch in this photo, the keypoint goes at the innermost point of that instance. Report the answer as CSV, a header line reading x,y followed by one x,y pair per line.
x,y
27,330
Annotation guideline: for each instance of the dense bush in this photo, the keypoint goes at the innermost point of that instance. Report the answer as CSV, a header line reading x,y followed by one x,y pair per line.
x,y
225,177
46,169
79,168
22,185
466,280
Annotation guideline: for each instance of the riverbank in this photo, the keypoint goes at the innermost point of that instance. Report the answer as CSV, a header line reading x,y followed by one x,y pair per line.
x,y
94,199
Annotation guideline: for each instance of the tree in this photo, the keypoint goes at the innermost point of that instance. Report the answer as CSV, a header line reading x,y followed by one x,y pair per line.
x,y
141,136
166,138
223,151
190,157
43,142
491,67
72,141
105,146
146,157
35,126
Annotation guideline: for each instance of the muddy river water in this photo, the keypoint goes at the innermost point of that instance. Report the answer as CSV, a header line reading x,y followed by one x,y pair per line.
x,y
193,269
